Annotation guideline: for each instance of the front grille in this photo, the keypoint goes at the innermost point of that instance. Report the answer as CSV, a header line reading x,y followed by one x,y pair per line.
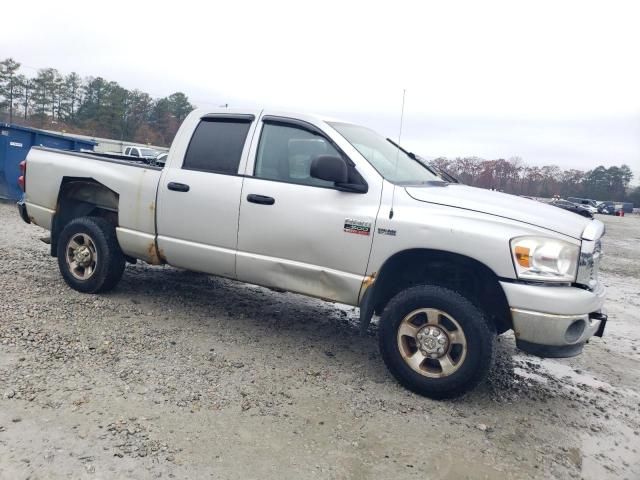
x,y
595,266
589,265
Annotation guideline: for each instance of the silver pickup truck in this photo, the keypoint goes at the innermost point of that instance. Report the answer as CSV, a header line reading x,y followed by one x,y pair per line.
x,y
335,211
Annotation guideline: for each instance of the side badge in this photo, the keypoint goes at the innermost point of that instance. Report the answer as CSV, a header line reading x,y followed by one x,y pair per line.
x,y
357,226
387,231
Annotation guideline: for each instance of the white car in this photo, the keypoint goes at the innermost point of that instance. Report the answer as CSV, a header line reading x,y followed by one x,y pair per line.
x,y
335,211
140,152
588,207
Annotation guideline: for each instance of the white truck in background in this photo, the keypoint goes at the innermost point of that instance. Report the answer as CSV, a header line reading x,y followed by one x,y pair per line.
x,y
143,153
335,211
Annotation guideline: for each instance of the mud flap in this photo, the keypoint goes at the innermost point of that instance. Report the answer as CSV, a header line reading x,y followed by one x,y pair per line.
x,y
366,311
22,210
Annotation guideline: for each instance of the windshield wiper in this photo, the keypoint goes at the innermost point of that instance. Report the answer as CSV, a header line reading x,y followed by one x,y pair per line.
x,y
409,154
445,175
422,162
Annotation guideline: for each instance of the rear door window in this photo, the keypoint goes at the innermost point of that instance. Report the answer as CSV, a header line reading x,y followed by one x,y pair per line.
x,y
216,145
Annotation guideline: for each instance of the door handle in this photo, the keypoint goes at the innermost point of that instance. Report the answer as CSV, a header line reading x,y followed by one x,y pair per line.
x,y
261,199
178,187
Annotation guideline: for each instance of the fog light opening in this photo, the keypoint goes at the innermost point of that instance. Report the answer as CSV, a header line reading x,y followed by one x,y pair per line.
x,y
575,331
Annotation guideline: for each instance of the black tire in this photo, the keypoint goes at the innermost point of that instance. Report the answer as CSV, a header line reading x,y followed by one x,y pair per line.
x,y
480,341
110,261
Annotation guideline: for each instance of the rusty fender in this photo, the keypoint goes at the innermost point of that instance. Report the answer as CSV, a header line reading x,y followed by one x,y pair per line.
x,y
366,302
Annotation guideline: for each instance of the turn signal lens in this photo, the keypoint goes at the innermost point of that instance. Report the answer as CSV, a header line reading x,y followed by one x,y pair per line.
x,y
522,256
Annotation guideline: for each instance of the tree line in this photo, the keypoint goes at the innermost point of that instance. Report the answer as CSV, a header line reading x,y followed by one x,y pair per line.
x,y
514,176
98,107
92,106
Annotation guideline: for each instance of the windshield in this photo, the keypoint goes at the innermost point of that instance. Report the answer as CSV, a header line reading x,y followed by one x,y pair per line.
x,y
147,152
390,161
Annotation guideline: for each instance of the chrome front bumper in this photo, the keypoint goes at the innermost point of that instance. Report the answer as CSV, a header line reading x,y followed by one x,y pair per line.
x,y
548,335
554,321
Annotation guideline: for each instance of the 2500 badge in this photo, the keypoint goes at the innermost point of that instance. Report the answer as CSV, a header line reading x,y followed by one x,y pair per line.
x,y
357,226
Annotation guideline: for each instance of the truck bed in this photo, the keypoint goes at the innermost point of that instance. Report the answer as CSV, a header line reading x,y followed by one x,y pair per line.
x,y
107,157
134,183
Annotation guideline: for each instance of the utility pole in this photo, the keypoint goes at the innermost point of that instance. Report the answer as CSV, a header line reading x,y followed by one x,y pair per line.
x,y
3,72
11,98
27,86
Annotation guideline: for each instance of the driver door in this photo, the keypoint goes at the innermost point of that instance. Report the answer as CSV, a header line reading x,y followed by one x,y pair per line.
x,y
299,233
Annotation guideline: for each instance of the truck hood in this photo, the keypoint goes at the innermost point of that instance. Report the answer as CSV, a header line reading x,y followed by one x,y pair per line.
x,y
502,205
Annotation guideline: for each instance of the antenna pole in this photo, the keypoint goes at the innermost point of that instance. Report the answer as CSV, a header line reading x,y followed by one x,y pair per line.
x,y
393,193
404,93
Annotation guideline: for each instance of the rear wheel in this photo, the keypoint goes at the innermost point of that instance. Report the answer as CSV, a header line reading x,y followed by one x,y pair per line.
x,y
435,341
89,257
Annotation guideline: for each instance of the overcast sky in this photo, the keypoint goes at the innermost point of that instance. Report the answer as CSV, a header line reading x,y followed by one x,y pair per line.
x,y
551,82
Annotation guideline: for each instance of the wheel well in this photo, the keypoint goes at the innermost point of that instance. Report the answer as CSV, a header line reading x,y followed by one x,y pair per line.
x,y
469,277
79,197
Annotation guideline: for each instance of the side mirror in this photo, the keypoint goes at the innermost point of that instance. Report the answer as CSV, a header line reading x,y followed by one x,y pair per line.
x,y
329,168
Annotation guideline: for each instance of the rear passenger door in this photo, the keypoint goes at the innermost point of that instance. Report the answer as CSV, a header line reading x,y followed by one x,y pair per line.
x,y
199,195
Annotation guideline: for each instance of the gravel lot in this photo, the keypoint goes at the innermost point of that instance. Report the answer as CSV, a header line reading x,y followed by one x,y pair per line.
x,y
182,375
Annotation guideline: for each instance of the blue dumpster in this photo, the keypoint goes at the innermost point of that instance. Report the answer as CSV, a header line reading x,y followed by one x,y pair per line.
x,y
15,142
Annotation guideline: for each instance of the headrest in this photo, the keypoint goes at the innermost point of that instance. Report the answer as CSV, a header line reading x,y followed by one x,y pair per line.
x,y
311,146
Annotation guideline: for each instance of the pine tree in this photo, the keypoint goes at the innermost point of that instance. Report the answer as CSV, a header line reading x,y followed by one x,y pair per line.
x,y
8,84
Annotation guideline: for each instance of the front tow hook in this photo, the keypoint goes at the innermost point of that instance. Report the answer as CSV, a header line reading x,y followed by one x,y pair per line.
x,y
603,322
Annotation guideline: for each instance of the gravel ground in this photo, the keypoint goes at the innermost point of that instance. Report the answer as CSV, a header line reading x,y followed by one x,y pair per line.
x,y
183,375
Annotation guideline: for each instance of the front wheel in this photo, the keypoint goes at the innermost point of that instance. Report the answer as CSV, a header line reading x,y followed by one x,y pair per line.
x,y
89,255
435,342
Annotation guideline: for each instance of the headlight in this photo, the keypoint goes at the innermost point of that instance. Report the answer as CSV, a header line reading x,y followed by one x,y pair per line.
x,y
545,259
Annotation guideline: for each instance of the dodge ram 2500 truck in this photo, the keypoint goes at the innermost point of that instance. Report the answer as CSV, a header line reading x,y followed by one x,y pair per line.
x,y
335,211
